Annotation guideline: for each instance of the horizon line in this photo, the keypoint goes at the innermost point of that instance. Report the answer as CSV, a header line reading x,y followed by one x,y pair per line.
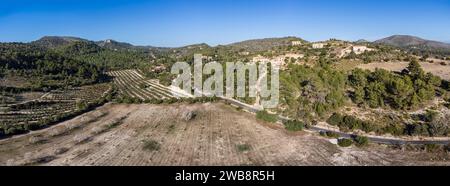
x,y
215,45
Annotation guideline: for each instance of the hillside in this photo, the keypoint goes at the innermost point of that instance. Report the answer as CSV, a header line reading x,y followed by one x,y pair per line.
x,y
412,41
114,45
264,44
56,41
44,67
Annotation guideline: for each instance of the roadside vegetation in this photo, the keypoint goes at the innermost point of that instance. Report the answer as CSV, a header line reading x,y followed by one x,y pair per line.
x,y
265,116
403,91
294,125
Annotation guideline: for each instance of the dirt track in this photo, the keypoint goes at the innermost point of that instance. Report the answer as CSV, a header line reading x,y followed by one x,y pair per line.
x,y
211,138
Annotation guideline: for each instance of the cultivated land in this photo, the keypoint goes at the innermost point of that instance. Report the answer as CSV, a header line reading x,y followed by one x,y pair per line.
x,y
49,86
435,68
118,134
32,111
133,84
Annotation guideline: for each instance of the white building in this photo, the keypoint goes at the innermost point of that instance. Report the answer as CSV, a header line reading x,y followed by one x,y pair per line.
x,y
278,60
361,49
296,43
318,45
356,49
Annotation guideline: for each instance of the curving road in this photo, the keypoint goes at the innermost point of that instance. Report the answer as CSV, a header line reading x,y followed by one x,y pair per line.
x,y
381,140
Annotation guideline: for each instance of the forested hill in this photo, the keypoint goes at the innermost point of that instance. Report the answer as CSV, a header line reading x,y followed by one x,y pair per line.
x,y
416,45
45,67
56,41
264,44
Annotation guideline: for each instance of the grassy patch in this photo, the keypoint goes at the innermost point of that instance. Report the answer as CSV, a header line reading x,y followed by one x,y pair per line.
x,y
345,142
294,125
432,147
265,116
115,123
329,134
361,141
243,147
171,128
151,145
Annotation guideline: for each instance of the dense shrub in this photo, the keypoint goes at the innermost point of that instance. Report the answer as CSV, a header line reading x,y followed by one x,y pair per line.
x,y
294,125
432,147
12,130
265,116
151,145
350,123
243,147
329,134
335,119
347,122
399,91
2,133
361,141
447,147
322,90
345,142
32,126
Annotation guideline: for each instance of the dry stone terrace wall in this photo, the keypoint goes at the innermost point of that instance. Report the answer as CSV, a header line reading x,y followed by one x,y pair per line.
x,y
50,108
133,84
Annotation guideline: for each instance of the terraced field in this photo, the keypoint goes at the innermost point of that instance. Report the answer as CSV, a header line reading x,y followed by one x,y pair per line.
x,y
51,107
133,84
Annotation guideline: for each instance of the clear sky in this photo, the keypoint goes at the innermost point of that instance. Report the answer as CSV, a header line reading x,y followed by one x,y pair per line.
x,y
182,22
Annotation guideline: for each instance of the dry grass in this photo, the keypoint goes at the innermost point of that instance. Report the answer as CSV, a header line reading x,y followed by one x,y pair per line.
x,y
219,135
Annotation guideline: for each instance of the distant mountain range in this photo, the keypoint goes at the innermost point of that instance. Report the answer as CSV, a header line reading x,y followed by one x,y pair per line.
x,y
405,41
61,41
402,41
249,45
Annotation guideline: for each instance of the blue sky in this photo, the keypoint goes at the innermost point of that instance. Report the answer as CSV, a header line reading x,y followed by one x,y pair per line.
x,y
182,22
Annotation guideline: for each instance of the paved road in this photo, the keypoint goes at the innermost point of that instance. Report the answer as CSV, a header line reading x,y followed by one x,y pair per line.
x,y
380,140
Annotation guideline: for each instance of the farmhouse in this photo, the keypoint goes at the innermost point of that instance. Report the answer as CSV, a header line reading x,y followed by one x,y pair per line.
x,y
318,45
158,69
361,49
296,43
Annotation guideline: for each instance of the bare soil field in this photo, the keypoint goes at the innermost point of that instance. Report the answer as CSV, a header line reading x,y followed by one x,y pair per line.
x,y
213,134
14,81
435,68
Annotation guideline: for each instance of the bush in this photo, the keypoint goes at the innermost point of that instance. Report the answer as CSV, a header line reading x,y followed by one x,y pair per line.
x,y
265,116
2,133
151,145
350,123
447,148
14,130
331,134
243,147
294,125
345,142
432,147
335,119
394,129
361,141
368,126
32,126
